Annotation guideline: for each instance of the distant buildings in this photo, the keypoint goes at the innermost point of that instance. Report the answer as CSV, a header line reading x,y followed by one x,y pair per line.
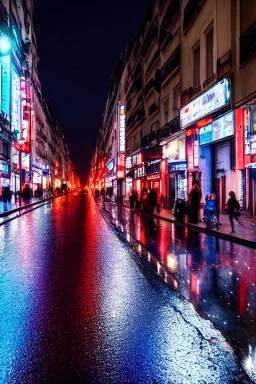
x,y
183,100
33,149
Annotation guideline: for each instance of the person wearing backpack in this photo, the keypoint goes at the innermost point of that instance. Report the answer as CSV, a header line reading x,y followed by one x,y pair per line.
x,y
233,209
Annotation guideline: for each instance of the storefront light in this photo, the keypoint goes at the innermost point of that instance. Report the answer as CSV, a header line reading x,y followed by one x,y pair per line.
x,y
5,45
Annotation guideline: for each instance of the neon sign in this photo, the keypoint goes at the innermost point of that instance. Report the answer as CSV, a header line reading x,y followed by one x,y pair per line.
x,y
23,144
213,99
122,128
219,129
5,99
15,106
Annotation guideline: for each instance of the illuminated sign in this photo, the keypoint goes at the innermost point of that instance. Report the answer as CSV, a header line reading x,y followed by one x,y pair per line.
x,y
139,172
122,128
15,105
5,97
219,129
177,166
196,152
213,99
23,144
128,162
110,165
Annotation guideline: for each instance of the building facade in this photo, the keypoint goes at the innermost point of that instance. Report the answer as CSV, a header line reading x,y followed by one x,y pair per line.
x,y
30,141
188,89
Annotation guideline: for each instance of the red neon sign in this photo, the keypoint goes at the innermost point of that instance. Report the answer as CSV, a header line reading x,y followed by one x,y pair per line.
x,y
23,144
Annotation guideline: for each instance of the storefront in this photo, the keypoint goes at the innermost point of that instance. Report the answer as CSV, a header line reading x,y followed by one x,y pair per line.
x,y
41,177
153,162
175,153
216,143
128,177
139,171
209,128
248,121
111,179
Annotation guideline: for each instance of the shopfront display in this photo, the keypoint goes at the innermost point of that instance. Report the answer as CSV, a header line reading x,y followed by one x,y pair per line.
x,y
216,143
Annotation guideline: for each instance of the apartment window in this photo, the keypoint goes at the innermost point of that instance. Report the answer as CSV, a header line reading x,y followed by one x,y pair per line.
x,y
196,67
176,101
209,54
155,126
4,148
166,111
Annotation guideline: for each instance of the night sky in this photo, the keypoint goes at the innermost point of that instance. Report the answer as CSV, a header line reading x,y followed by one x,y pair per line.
x,y
79,42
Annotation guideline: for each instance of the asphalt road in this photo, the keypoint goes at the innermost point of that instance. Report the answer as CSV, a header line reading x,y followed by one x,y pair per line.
x,y
78,305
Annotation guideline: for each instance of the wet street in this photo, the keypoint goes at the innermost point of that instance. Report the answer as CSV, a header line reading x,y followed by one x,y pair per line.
x,y
118,297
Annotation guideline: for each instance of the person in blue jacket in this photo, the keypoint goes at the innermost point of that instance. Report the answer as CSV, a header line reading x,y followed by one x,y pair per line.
x,y
210,210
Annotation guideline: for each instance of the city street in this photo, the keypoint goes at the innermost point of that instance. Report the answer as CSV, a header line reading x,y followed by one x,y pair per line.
x,y
94,294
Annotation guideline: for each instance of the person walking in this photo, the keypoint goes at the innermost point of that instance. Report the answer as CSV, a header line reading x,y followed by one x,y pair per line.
x,y
152,200
195,197
7,196
233,210
144,200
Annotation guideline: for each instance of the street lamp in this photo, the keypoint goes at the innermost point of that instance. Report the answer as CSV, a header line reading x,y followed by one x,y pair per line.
x,y
5,45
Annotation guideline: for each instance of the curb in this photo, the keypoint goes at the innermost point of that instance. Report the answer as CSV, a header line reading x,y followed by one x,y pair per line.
x,y
33,206
224,236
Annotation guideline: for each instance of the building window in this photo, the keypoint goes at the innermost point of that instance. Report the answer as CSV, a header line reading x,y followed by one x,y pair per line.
x,y
209,54
176,101
196,67
155,126
166,111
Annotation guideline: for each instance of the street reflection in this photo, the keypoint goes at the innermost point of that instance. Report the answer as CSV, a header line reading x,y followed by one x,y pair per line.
x,y
218,277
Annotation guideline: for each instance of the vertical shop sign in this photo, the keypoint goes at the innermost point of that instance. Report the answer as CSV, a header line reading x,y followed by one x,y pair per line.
x,y
5,99
196,150
239,138
23,144
15,104
190,151
122,128
247,145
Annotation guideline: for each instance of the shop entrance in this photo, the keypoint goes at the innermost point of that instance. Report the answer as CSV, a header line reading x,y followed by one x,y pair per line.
x,y
220,190
176,187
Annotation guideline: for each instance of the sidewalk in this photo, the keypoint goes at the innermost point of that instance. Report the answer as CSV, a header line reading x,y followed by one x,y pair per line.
x,y
246,231
9,211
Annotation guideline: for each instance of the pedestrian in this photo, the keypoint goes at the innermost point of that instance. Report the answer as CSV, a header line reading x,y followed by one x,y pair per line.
x,y
195,198
152,200
210,210
7,196
144,200
233,209
131,199
158,200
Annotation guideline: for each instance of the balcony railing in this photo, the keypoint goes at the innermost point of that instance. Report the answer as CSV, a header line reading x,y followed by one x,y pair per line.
x,y
248,44
153,108
137,85
147,139
153,60
149,86
171,14
171,64
137,116
191,10
168,129
151,35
